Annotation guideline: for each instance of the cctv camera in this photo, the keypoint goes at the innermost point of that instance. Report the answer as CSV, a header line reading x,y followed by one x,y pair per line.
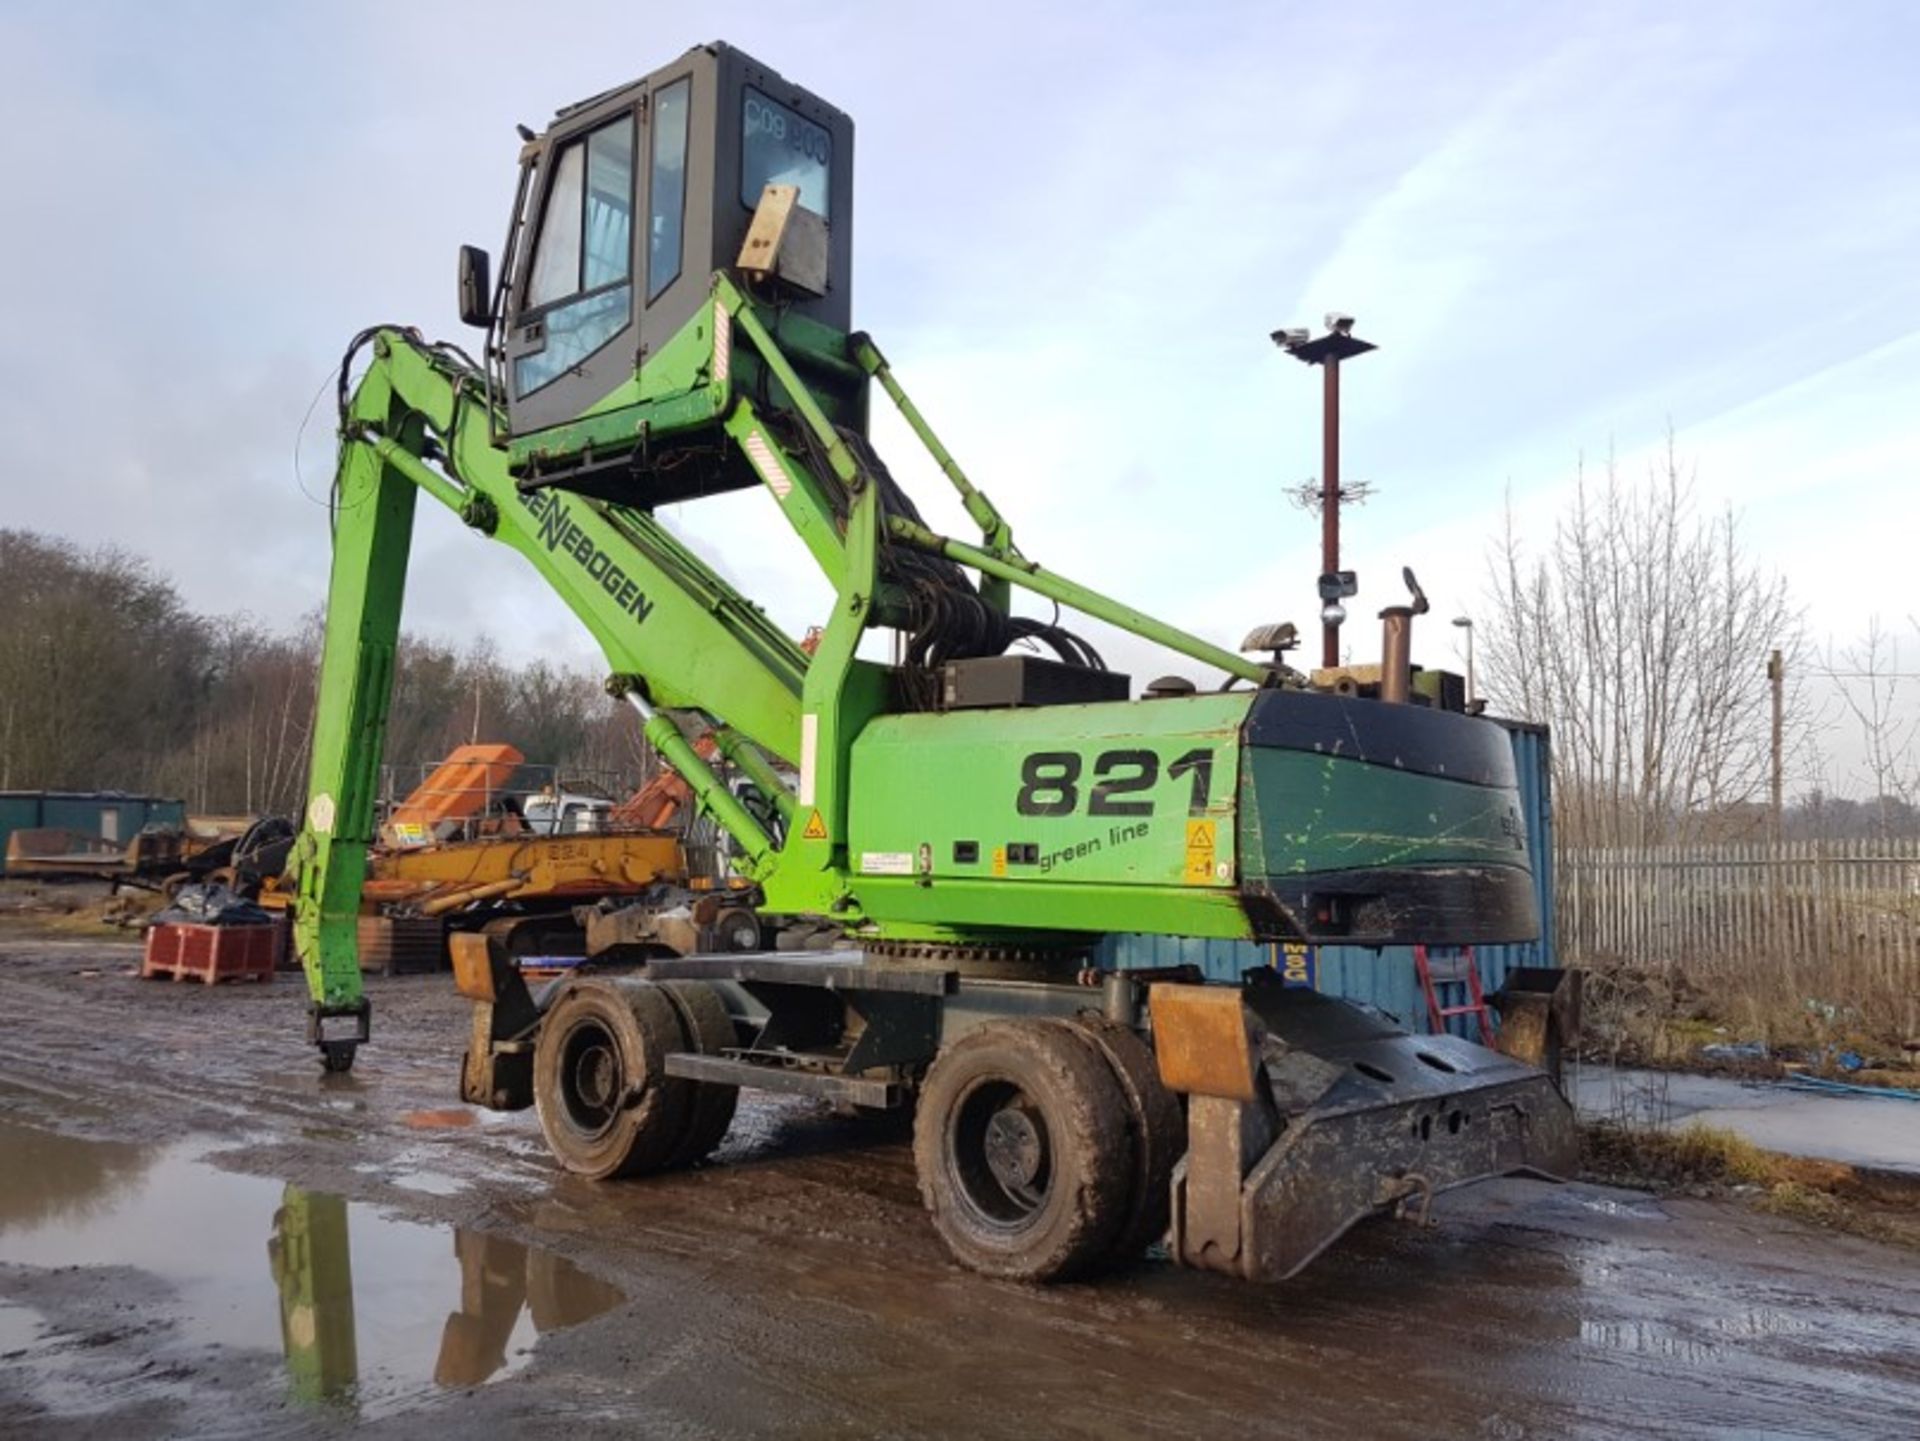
x,y
1291,339
1342,324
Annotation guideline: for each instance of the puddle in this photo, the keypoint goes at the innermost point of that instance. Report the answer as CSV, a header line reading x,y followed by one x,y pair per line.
x,y
366,1311
1632,1210
431,1183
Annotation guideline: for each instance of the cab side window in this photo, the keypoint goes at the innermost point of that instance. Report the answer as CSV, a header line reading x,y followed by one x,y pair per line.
x,y
579,284
666,210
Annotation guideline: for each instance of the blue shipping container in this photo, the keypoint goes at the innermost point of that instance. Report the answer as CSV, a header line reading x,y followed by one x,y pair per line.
x,y
1384,978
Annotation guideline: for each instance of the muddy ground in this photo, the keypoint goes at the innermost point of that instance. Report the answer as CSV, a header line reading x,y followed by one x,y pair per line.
x,y
170,1156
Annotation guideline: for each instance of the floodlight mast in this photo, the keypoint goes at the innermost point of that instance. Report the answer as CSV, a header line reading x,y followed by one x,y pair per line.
x,y
1338,344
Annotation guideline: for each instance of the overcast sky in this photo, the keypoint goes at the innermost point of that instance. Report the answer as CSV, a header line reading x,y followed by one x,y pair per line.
x,y
1567,227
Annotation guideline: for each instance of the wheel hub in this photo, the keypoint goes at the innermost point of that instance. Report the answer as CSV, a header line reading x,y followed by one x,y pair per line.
x,y
1016,1148
596,1077
591,1078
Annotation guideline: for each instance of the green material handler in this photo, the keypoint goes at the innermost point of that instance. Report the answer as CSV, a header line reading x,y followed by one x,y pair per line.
x,y
671,320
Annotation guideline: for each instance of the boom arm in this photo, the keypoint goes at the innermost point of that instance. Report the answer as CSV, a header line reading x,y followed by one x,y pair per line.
x,y
676,636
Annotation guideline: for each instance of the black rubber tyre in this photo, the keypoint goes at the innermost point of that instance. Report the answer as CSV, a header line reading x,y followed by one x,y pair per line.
x,y
607,1106
1159,1129
1023,1150
709,1028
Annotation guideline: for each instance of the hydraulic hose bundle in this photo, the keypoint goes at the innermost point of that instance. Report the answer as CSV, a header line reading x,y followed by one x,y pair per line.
x,y
949,620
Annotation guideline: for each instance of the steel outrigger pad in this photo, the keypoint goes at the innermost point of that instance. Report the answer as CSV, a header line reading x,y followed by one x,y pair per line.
x,y
1329,1115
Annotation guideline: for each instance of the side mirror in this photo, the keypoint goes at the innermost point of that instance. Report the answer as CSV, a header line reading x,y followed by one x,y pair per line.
x,y
476,290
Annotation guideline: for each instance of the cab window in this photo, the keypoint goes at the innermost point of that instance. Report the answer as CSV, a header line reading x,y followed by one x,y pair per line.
x,y
579,282
666,210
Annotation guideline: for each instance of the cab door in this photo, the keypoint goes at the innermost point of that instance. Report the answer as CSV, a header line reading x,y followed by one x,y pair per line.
x,y
571,339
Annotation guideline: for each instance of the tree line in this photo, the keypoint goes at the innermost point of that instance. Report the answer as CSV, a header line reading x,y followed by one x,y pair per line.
x,y
109,681
1640,633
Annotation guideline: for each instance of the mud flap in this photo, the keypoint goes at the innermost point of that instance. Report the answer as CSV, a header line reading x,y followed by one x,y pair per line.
x,y
1347,1116
496,1070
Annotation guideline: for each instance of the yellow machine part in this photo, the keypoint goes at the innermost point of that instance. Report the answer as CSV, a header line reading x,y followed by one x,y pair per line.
x,y
443,877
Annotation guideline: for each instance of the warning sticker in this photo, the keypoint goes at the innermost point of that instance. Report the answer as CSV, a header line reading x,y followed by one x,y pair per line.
x,y
816,828
1200,847
886,863
320,814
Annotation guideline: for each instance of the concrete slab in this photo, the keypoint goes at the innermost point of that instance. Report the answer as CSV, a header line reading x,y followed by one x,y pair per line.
x,y
1880,1132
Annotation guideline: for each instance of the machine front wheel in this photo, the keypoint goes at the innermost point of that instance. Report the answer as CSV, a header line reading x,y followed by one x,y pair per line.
x,y
607,1106
1023,1150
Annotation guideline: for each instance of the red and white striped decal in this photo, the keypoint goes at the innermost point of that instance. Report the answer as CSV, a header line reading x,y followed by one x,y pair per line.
x,y
771,471
722,343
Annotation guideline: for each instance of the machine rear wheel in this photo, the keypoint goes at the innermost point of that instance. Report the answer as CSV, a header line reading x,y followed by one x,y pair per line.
x,y
607,1106
709,1028
1023,1150
1159,1133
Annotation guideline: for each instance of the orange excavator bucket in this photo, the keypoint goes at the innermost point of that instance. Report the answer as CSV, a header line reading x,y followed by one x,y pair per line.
x,y
459,788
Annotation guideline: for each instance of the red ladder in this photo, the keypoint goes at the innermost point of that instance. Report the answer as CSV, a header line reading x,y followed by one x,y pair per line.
x,y
1454,967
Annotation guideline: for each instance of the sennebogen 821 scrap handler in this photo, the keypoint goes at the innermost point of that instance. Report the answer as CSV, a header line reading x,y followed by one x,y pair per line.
x,y
672,321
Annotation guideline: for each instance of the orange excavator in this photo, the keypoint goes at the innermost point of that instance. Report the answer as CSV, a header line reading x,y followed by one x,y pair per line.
x,y
462,839
548,876
461,848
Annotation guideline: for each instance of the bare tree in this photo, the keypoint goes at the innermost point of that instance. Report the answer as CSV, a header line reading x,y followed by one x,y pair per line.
x,y
1876,695
1640,635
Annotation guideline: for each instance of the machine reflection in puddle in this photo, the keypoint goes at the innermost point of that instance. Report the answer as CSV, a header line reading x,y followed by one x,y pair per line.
x,y
373,1313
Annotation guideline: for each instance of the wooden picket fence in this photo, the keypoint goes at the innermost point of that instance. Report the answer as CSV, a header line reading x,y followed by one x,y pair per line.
x,y
1841,906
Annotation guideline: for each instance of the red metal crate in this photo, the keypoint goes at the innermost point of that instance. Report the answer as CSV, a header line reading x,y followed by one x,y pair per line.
x,y
211,953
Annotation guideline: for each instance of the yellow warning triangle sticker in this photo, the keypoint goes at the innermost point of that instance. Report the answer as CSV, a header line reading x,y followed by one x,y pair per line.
x,y
816,828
